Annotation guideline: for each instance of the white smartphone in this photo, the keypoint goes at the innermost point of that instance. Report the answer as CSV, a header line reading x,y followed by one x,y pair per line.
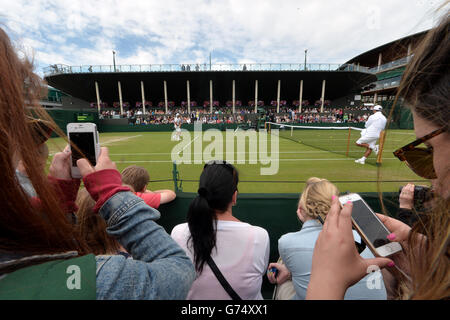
x,y
85,137
372,230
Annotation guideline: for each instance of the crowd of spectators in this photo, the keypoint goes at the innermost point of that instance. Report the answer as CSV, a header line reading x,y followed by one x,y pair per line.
x,y
225,115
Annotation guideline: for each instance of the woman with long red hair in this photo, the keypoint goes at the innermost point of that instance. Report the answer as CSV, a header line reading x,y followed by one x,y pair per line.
x,y
41,253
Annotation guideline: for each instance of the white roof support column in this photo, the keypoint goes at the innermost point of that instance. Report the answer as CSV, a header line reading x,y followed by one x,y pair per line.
x,y
98,96
300,98
165,96
323,95
143,97
380,59
234,96
210,96
120,97
278,96
188,91
408,54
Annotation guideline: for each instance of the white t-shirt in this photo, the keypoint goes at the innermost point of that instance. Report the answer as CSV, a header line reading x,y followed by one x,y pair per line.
x,y
177,123
241,254
375,124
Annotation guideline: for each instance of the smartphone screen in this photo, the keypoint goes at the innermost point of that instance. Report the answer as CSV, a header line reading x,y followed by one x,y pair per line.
x,y
374,230
85,142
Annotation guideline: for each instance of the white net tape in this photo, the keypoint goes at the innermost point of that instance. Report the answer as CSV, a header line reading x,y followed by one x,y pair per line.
x,y
287,126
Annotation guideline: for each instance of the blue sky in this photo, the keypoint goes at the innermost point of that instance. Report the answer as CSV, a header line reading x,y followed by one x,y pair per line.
x,y
76,32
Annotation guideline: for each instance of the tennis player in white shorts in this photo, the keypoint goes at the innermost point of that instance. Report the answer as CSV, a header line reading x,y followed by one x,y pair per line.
x,y
369,136
177,124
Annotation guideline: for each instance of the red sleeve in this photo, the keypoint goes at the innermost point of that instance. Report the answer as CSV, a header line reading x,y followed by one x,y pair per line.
x,y
102,185
150,198
68,190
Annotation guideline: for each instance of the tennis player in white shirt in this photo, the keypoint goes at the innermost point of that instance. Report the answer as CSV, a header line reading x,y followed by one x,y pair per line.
x,y
369,136
177,124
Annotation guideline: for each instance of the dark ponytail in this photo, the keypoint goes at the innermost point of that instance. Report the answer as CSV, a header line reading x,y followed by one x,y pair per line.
x,y
218,182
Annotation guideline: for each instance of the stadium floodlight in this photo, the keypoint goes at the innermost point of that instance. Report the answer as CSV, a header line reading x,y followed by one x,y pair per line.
x,y
306,52
114,60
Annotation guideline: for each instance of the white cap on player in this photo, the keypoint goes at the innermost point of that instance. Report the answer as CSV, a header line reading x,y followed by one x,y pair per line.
x,y
377,107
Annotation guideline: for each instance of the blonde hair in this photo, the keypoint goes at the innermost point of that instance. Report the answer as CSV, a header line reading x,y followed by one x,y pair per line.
x,y
315,200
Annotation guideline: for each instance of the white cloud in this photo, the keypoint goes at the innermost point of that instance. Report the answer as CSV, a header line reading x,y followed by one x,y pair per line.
x,y
83,32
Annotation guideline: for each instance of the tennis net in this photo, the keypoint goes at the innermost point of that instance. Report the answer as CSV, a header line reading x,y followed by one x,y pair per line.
x,y
337,139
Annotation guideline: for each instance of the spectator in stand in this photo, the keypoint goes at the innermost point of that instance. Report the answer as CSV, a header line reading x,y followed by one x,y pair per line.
x,y
296,248
36,235
138,178
424,260
213,236
334,115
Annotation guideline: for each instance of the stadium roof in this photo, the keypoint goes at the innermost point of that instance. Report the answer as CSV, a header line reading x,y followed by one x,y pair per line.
x,y
338,84
390,51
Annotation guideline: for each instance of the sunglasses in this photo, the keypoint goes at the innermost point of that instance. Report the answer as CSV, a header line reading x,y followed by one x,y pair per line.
x,y
419,160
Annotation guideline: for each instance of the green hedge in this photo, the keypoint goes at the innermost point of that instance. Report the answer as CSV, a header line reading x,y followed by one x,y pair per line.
x,y
402,120
190,127
159,127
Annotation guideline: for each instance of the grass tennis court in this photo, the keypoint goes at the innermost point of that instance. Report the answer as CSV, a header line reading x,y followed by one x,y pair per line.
x,y
297,162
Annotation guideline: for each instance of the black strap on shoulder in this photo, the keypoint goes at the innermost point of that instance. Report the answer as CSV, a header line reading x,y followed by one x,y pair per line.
x,y
222,280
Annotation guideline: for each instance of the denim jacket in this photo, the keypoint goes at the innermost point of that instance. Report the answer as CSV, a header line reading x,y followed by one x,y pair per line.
x,y
160,269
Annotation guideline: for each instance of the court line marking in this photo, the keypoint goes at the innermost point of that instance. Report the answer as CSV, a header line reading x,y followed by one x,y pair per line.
x,y
236,152
329,139
200,153
119,139
170,161
51,154
188,144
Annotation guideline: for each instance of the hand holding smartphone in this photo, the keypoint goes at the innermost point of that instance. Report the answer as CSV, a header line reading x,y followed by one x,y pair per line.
x,y
336,265
60,168
371,229
85,137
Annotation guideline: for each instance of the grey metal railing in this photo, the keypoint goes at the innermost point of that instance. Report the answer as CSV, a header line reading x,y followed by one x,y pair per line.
x,y
384,84
392,64
62,69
